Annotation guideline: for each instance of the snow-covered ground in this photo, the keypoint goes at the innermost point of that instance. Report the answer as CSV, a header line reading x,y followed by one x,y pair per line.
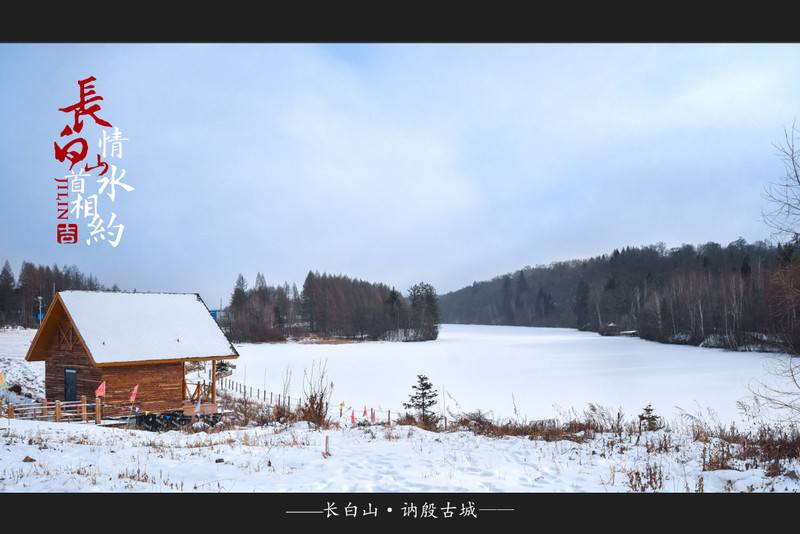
x,y
505,372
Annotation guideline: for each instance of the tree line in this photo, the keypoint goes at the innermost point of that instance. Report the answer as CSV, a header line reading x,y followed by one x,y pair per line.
x,y
724,296
19,295
331,305
327,305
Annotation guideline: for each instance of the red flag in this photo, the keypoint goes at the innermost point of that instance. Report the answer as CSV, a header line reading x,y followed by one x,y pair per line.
x,y
100,391
365,411
135,389
373,416
353,417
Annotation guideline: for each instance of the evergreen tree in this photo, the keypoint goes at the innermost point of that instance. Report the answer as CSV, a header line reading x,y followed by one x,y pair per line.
x,y
308,299
425,312
239,295
423,400
7,284
582,304
648,420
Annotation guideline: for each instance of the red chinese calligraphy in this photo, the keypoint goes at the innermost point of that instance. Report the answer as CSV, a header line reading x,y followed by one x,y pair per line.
x,y
74,156
84,106
80,108
102,164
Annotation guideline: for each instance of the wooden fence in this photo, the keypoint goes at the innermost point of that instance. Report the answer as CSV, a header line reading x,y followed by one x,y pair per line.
x,y
267,397
271,399
58,411
84,411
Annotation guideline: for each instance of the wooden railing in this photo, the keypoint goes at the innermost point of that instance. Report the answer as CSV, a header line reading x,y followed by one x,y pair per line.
x,y
58,411
201,400
201,391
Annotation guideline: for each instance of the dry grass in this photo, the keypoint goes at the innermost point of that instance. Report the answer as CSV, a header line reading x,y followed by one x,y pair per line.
x,y
724,447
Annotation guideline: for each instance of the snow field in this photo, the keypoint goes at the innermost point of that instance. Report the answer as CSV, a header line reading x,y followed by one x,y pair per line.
x,y
84,458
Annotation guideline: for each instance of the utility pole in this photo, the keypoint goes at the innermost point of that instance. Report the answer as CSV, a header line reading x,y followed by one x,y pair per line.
x,y
40,310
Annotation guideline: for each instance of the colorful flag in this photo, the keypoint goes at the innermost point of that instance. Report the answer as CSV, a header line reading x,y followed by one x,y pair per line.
x,y
373,416
353,417
100,391
365,412
135,389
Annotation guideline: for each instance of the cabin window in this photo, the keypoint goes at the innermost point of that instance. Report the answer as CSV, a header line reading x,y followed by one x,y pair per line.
x,y
70,385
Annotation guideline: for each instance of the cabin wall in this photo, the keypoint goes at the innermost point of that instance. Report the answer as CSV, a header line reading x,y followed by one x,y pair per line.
x,y
66,351
160,387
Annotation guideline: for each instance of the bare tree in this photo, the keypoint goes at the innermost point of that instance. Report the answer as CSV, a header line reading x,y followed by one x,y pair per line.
x,y
784,219
782,397
784,195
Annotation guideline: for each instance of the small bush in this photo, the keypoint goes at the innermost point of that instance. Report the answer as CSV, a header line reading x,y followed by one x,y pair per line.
x,y
317,391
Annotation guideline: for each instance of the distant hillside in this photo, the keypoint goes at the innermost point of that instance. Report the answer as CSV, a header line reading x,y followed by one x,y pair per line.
x,y
708,294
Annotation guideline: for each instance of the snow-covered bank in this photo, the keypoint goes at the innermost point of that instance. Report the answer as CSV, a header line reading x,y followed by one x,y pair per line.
x,y
68,457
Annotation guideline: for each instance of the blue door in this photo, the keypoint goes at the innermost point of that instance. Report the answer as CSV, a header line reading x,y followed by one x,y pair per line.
x,y
70,385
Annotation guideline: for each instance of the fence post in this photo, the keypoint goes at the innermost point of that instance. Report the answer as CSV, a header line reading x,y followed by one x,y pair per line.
x,y
44,410
58,411
11,411
97,411
83,409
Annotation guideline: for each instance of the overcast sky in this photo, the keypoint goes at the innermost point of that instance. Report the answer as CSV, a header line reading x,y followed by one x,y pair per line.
x,y
391,163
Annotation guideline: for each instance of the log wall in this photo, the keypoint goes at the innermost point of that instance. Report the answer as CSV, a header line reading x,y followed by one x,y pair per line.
x,y
161,385
64,351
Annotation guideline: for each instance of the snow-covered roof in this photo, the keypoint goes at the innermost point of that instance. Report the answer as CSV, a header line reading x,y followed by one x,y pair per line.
x,y
137,327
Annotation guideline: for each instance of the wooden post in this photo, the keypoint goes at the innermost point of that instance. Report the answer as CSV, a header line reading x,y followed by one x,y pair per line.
x,y
84,417
44,410
214,382
11,411
184,381
58,411
97,411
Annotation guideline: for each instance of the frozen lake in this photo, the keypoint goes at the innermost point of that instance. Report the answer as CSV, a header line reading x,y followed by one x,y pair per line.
x,y
516,372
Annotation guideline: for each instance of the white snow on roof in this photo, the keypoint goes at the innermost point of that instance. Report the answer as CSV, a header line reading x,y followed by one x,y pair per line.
x,y
133,327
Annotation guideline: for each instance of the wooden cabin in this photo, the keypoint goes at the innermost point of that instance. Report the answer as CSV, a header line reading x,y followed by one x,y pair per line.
x,y
126,340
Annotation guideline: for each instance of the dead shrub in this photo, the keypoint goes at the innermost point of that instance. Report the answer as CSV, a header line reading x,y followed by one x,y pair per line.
x,y
317,391
651,478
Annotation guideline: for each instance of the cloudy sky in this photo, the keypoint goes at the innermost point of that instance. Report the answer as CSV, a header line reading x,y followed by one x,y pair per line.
x,y
391,163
